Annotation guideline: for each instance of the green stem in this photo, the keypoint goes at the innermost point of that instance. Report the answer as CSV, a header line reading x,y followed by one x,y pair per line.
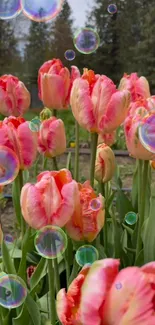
x,y
74,273
142,180
23,224
16,191
94,138
54,112
67,268
45,161
103,191
76,162
56,274
55,165
52,309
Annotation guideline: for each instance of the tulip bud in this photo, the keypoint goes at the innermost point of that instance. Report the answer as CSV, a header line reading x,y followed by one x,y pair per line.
x,y
45,114
152,164
30,270
105,163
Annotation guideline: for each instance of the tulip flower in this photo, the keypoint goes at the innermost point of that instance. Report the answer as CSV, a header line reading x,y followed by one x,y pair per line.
x,y
52,138
103,295
50,201
96,103
30,270
138,87
14,96
54,82
16,135
88,217
107,138
105,163
131,126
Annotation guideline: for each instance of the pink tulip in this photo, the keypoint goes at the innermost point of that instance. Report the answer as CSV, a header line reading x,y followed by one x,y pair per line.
x,y
138,87
106,296
96,104
108,138
50,201
88,217
54,82
131,126
105,163
52,138
16,134
14,96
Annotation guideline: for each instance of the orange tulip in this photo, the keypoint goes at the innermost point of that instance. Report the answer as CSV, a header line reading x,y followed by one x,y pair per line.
x,y
51,201
16,134
96,104
14,96
105,163
54,82
138,87
88,217
52,138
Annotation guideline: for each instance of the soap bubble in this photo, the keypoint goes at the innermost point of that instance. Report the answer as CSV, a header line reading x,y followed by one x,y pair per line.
x,y
86,254
13,291
86,40
131,218
51,242
35,124
95,204
69,55
147,133
118,286
9,239
9,9
9,165
112,9
42,10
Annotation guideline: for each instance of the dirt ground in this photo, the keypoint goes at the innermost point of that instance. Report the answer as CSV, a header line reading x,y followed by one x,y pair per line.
x,y
126,165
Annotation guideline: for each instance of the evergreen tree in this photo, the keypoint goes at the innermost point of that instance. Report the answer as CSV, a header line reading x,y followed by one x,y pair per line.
x,y
36,50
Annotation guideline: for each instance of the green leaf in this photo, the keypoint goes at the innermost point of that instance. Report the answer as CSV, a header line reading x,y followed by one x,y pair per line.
x,y
149,234
134,192
8,262
16,253
123,205
124,240
33,310
129,230
23,318
39,273
140,259
27,244
26,175
16,198
102,254
134,235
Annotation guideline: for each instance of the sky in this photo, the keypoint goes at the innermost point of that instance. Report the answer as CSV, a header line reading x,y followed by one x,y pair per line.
x,y
79,8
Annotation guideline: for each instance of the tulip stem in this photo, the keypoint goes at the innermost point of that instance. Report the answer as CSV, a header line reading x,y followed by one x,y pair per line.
x,y
94,138
55,165
52,309
74,271
142,181
102,190
76,162
54,112
16,191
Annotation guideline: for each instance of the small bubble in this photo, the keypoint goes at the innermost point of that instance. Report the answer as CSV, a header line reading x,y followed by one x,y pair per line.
x,y
95,204
118,286
13,291
112,9
35,124
86,40
9,165
131,218
86,254
147,133
42,10
10,9
69,55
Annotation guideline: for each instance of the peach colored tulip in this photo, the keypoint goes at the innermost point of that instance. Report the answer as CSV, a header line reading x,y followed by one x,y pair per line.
x,y
52,137
138,87
14,96
16,134
54,82
105,163
87,219
96,104
107,138
50,201
104,296
131,125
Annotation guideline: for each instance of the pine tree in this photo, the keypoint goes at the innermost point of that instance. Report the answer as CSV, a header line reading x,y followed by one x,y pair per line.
x,y
36,50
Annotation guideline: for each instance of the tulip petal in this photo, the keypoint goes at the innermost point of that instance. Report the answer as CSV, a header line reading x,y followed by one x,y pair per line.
x,y
95,288
28,142
131,302
52,90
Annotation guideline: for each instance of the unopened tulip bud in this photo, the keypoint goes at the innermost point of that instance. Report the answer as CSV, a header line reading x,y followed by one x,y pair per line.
x,y
105,163
45,114
152,164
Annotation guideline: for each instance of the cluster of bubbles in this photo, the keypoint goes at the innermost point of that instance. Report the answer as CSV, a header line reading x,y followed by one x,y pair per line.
x,y
13,291
147,134
86,254
9,165
36,10
51,242
35,124
131,218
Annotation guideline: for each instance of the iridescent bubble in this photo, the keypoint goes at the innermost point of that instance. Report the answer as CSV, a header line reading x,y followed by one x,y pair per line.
x,y
86,40
147,133
41,10
51,242
69,55
95,204
9,239
13,291
9,165
131,218
112,9
86,254
10,9
118,286
35,124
